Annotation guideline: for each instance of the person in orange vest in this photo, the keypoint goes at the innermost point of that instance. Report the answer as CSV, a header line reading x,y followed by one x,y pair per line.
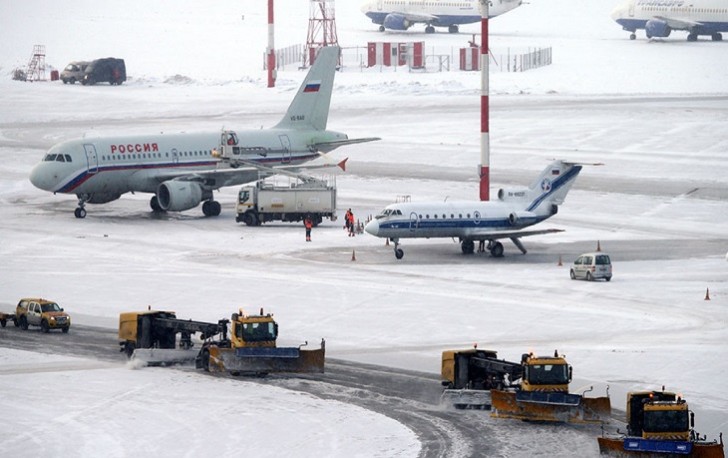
x,y
350,222
308,224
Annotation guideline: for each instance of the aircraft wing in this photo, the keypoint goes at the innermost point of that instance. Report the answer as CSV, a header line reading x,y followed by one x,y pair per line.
x,y
679,24
417,17
327,147
489,235
243,172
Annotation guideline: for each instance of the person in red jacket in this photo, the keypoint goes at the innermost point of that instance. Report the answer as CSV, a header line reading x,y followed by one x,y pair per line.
x,y
308,224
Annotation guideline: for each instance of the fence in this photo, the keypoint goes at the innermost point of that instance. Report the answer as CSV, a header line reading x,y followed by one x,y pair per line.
x,y
285,56
520,62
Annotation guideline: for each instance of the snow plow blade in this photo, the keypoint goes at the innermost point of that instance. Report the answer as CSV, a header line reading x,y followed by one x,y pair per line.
x,y
262,361
634,447
549,407
163,356
466,399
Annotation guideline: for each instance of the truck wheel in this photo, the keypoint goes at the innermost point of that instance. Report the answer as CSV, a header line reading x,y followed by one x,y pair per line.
x,y
65,330
3,323
44,326
23,323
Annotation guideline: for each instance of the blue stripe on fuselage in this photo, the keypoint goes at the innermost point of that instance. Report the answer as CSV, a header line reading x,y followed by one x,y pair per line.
x,y
441,21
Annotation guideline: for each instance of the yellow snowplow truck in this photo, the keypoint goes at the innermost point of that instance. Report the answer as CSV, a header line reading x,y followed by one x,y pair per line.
x,y
252,350
469,375
151,336
543,395
659,424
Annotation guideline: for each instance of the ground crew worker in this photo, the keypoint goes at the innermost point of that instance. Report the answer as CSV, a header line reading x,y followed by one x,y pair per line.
x,y
350,223
347,220
308,224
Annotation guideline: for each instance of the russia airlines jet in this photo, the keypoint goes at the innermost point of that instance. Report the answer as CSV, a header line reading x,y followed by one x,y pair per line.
x,y
401,14
182,170
660,17
470,221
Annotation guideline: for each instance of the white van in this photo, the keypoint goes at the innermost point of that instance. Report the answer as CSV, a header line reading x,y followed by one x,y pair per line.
x,y
592,266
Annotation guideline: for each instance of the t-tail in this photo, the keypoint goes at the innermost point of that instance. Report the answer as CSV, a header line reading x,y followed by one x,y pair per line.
x,y
310,107
546,192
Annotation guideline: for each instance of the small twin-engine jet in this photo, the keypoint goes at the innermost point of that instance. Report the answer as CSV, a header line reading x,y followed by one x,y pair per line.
x,y
182,170
487,221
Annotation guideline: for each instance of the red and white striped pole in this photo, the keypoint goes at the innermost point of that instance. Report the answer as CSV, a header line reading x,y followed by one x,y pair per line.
x,y
484,105
271,52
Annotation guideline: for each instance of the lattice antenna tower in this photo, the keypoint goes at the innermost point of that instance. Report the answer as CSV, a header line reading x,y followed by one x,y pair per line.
x,y
36,64
321,29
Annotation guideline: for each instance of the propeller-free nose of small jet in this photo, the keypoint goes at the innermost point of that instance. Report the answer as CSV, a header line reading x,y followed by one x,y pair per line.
x,y
372,227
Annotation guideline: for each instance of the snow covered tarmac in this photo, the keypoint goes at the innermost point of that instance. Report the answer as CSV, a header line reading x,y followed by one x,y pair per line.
x,y
659,205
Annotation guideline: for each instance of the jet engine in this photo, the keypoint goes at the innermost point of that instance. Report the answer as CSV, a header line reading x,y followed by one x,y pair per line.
x,y
521,217
512,194
657,28
178,196
394,21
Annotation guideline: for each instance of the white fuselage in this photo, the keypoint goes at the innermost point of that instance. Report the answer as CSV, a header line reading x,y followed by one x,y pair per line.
x,y
440,13
703,17
116,165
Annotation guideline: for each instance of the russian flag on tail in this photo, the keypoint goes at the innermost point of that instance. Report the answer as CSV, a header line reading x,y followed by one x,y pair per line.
x,y
313,86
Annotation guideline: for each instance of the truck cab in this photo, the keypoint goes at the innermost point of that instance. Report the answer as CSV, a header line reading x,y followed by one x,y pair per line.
x,y
43,313
657,415
253,330
545,373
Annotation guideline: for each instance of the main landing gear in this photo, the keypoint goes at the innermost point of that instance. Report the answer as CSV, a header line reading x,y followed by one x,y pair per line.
x,y
495,247
211,208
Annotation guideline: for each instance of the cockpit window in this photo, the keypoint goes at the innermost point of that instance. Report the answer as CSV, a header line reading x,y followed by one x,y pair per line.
x,y
389,212
60,158
68,157
50,157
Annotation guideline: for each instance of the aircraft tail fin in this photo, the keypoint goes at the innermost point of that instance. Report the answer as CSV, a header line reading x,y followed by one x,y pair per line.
x,y
310,106
553,184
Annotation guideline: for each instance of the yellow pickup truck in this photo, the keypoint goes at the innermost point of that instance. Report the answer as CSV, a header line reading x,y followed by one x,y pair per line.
x,y
41,312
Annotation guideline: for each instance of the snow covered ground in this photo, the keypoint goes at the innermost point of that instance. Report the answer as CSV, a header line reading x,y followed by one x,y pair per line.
x,y
653,111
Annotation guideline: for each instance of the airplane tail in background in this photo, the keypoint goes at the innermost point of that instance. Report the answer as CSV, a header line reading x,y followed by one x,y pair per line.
x,y
310,106
553,184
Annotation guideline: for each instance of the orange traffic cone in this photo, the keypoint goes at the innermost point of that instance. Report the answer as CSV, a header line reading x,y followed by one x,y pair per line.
x,y
599,246
707,294
560,263
353,255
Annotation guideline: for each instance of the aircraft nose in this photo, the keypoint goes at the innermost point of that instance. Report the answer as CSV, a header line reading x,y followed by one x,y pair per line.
x,y
372,227
618,11
42,178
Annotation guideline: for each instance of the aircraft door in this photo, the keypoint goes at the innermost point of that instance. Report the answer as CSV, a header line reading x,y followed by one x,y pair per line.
x,y
476,217
414,222
286,146
92,159
631,9
379,5
175,155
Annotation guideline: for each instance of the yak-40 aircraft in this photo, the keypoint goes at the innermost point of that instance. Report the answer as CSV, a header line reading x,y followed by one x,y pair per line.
x,y
660,17
402,14
471,221
182,170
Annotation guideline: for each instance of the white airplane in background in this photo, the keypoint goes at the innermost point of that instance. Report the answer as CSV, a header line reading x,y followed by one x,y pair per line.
x,y
401,14
183,169
660,17
470,221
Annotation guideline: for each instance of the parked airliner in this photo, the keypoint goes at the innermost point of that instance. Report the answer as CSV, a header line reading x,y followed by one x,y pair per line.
x,y
182,170
471,221
660,17
401,14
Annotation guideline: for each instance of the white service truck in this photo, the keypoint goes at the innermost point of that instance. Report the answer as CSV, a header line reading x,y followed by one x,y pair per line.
x,y
265,202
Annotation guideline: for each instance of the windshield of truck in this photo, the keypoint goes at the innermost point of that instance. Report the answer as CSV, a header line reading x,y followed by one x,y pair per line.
x,y
244,196
258,332
666,421
50,307
548,374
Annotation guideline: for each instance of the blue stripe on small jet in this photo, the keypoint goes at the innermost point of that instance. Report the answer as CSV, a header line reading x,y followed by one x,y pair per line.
x,y
425,224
